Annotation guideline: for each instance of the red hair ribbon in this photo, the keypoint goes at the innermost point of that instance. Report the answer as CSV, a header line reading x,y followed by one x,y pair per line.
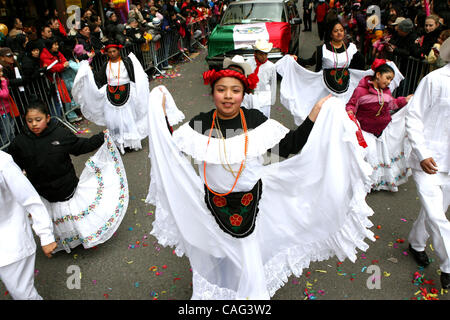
x,y
211,76
118,46
376,63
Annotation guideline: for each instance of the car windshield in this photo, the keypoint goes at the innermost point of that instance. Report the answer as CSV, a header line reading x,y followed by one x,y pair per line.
x,y
253,12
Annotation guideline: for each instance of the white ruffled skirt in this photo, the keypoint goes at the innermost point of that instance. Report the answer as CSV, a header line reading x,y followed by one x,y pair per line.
x,y
98,205
312,206
387,154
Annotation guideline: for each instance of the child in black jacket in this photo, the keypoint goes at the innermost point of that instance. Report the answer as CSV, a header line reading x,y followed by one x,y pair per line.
x,y
81,209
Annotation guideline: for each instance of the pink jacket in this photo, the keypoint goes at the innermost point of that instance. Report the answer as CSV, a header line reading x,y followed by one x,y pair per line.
x,y
364,104
4,98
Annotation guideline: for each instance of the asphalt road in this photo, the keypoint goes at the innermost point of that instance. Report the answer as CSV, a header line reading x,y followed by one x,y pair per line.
x,y
132,266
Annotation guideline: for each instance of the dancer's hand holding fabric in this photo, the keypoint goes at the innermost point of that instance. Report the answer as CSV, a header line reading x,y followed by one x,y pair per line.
x,y
316,109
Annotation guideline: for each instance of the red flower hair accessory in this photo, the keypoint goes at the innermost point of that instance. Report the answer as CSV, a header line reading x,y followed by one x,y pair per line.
x,y
376,63
211,76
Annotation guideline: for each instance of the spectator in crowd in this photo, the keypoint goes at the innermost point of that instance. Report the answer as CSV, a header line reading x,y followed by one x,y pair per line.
x,y
10,68
97,20
6,119
111,25
30,62
433,30
321,12
17,29
308,6
133,32
433,56
53,23
91,46
404,45
136,14
155,29
55,62
46,35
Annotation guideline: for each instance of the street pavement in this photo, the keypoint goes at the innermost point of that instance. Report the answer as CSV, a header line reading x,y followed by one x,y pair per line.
x,y
133,266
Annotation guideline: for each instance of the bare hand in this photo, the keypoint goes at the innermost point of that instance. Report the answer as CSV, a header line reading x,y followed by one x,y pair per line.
x,y
316,109
429,166
49,248
294,56
409,97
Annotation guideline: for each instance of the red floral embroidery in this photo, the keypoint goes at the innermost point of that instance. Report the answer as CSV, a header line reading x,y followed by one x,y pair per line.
x,y
236,220
333,72
246,199
219,201
345,73
117,96
340,81
121,88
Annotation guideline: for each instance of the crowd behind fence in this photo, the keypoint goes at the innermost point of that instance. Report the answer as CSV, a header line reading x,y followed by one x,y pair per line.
x,y
154,55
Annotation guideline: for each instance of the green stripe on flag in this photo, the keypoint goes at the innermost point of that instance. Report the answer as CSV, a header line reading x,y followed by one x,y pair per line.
x,y
220,40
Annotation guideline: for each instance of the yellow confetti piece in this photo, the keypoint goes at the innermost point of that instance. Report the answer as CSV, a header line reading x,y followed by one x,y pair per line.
x,y
154,268
130,262
386,274
431,247
390,244
322,271
75,256
341,274
138,224
135,211
417,293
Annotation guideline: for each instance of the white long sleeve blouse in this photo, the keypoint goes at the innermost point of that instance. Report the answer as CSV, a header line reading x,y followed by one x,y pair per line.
x,y
428,120
18,198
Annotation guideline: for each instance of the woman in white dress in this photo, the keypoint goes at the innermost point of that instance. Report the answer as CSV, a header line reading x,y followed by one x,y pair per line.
x,y
115,97
244,226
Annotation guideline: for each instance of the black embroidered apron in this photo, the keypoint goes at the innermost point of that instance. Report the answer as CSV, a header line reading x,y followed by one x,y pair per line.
x,y
337,80
118,95
235,213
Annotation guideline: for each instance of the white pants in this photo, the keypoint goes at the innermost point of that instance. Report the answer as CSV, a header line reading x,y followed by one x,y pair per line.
x,y
18,278
434,195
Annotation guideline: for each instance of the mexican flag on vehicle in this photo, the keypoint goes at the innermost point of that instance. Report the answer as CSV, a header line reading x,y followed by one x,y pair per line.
x,y
231,37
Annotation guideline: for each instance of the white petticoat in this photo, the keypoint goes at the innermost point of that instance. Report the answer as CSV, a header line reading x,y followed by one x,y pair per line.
x,y
98,205
312,207
127,124
387,154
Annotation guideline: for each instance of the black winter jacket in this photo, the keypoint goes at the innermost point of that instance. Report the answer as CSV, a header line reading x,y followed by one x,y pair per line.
x,y
46,159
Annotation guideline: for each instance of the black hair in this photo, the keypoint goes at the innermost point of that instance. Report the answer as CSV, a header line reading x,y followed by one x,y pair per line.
x,y
382,69
35,103
329,29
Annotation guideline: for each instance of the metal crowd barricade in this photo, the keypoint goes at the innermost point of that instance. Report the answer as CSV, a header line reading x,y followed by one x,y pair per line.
x,y
8,127
413,70
169,46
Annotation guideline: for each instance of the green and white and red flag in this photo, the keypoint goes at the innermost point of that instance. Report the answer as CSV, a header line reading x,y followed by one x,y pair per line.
x,y
232,37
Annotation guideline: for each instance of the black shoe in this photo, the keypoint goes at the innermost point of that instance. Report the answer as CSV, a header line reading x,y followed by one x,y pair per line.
x,y
445,280
420,256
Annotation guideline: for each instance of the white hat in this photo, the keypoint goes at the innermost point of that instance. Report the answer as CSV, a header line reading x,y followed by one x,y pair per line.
x,y
444,50
263,45
238,61
156,22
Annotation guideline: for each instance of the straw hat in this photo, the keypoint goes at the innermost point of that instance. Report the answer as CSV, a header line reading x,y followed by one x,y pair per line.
x,y
397,21
263,45
238,61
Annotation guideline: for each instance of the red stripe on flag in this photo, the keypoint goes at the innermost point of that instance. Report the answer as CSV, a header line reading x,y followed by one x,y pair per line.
x,y
279,34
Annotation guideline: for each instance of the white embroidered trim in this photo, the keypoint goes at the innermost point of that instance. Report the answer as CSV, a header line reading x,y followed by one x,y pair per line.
x,y
260,139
